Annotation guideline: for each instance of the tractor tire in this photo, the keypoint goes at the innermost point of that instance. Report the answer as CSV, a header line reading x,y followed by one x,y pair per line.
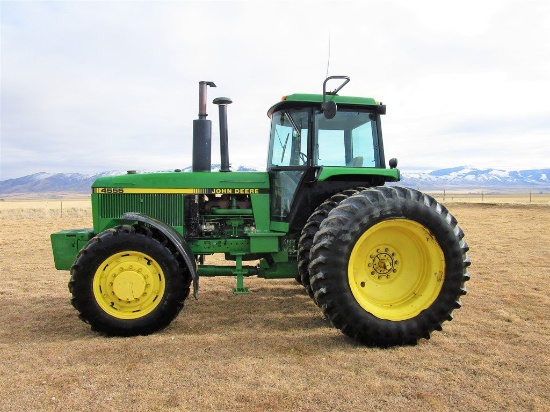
x,y
125,282
388,266
308,232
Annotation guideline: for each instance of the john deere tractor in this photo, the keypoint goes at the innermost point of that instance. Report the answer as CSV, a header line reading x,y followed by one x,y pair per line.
x,y
386,264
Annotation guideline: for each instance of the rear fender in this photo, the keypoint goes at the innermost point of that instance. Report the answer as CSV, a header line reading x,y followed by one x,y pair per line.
x,y
175,238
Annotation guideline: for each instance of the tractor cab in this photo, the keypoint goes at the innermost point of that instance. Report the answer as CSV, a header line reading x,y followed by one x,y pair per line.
x,y
324,136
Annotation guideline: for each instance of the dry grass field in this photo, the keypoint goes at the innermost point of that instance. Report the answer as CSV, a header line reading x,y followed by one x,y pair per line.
x,y
271,349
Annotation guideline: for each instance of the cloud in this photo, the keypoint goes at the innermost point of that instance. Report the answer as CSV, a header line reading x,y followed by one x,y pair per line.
x,y
92,86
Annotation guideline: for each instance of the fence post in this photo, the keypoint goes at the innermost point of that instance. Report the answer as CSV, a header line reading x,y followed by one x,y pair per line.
x,y
62,208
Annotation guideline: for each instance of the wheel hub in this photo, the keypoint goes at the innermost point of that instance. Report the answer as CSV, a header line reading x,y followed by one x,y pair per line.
x,y
383,262
129,285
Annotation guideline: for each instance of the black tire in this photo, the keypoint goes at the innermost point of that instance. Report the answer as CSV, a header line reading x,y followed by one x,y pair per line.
x,y
308,232
125,282
388,266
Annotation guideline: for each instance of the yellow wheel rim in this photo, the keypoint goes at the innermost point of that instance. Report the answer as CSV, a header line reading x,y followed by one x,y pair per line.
x,y
396,269
129,285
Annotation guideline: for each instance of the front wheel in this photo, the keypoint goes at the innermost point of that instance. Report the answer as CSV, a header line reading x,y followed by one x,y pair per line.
x,y
388,266
125,282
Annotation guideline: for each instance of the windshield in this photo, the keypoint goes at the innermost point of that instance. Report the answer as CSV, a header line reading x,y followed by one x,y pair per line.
x,y
289,134
349,140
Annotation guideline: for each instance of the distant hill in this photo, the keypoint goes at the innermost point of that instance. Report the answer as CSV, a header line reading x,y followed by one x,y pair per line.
x,y
465,177
457,178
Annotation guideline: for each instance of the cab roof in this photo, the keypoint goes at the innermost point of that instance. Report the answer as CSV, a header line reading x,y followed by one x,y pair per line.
x,y
302,99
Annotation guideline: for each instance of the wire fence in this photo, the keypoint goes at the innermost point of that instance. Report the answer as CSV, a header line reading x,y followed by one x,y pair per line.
x,y
481,196
45,207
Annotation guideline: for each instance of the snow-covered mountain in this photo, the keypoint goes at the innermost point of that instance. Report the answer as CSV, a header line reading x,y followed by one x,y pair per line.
x,y
456,178
465,177
51,183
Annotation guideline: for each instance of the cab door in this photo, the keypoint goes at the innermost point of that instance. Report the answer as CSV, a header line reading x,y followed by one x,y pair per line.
x,y
288,157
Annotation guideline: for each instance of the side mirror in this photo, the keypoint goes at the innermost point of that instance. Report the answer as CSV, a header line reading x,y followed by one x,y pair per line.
x,y
393,163
330,110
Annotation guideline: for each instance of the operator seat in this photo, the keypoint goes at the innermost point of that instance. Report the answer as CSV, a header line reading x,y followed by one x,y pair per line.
x,y
356,162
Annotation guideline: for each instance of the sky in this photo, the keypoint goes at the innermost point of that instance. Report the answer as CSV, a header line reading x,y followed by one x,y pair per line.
x,y
93,86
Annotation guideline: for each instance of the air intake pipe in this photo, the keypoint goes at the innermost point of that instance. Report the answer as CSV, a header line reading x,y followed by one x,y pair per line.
x,y
202,134
222,103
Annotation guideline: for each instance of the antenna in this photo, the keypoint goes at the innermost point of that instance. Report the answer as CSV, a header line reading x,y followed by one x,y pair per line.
x,y
328,60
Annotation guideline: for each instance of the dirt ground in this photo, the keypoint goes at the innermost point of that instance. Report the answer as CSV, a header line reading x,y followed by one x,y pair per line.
x,y
271,349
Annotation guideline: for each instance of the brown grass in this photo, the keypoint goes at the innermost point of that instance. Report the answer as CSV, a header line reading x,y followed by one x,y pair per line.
x,y
271,350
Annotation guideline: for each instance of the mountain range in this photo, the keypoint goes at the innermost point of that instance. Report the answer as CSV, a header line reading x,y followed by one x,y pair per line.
x,y
466,177
457,178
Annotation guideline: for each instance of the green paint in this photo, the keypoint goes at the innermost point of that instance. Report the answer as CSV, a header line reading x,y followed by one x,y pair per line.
x,y
389,175
317,99
66,245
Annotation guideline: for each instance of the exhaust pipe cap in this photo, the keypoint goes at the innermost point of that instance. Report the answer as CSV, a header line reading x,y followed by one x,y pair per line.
x,y
222,100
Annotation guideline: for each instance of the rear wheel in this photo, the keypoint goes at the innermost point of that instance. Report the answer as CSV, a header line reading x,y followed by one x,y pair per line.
x,y
388,266
126,282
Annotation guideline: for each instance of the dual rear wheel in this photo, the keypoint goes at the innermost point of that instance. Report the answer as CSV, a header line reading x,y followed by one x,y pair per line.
x,y
388,265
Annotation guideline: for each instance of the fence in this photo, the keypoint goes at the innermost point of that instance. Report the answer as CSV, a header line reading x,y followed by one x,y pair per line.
x,y
532,197
45,207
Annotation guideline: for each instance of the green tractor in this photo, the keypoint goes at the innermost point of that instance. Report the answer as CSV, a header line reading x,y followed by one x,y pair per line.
x,y
386,264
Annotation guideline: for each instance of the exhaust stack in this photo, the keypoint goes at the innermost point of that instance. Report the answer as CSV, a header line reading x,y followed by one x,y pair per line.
x,y
222,103
202,134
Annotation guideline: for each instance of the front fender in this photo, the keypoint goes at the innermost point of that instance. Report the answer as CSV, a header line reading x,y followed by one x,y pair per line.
x,y
176,239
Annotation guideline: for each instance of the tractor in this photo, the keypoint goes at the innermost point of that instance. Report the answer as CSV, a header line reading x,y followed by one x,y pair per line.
x,y
386,264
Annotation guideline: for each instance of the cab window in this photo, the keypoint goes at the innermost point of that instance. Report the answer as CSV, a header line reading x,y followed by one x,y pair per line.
x,y
348,140
289,134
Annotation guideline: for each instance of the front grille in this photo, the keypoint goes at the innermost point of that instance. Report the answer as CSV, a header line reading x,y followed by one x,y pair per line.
x,y
165,207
